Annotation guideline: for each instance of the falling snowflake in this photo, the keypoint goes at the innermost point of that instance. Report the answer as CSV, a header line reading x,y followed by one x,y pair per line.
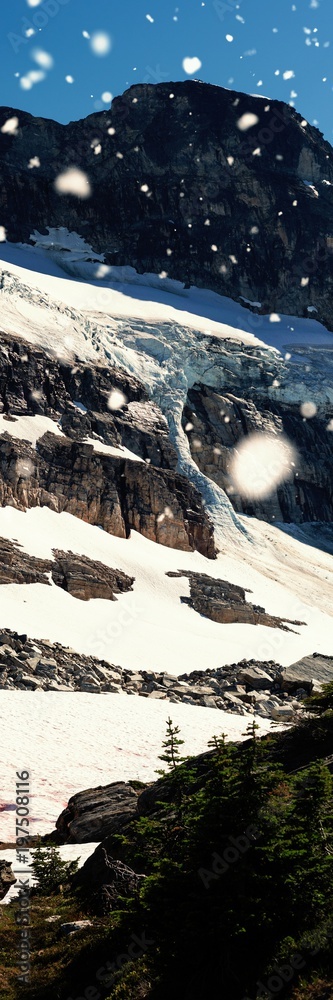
x,y
100,43
42,58
73,181
167,513
10,127
24,468
260,463
34,76
308,410
3,234
116,400
247,121
191,65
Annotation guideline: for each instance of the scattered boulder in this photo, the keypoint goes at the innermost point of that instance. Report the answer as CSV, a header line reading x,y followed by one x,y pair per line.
x,y
7,879
96,813
74,927
250,687
255,678
103,879
302,674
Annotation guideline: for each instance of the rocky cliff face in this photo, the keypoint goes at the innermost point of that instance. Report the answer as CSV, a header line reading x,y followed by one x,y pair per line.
x,y
219,421
67,474
114,493
176,171
34,382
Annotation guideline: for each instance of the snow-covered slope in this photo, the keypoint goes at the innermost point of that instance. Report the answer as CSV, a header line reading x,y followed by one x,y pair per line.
x,y
149,628
169,338
69,742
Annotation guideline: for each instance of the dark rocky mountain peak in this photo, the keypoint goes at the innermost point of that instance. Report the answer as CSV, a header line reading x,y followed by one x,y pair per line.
x,y
176,170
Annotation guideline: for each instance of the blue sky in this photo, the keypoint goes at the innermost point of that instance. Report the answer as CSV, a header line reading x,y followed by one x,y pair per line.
x,y
246,45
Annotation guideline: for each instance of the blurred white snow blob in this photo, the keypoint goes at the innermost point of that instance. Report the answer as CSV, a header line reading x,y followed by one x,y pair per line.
x,y
116,400
33,162
167,513
107,97
100,43
42,58
33,3
191,65
10,127
247,121
3,234
73,181
308,409
24,468
260,463
34,76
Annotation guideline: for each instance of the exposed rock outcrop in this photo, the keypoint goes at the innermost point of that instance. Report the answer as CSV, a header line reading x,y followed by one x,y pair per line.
x,y
85,579
219,421
310,672
7,879
96,813
226,603
187,158
34,382
102,880
81,577
115,493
